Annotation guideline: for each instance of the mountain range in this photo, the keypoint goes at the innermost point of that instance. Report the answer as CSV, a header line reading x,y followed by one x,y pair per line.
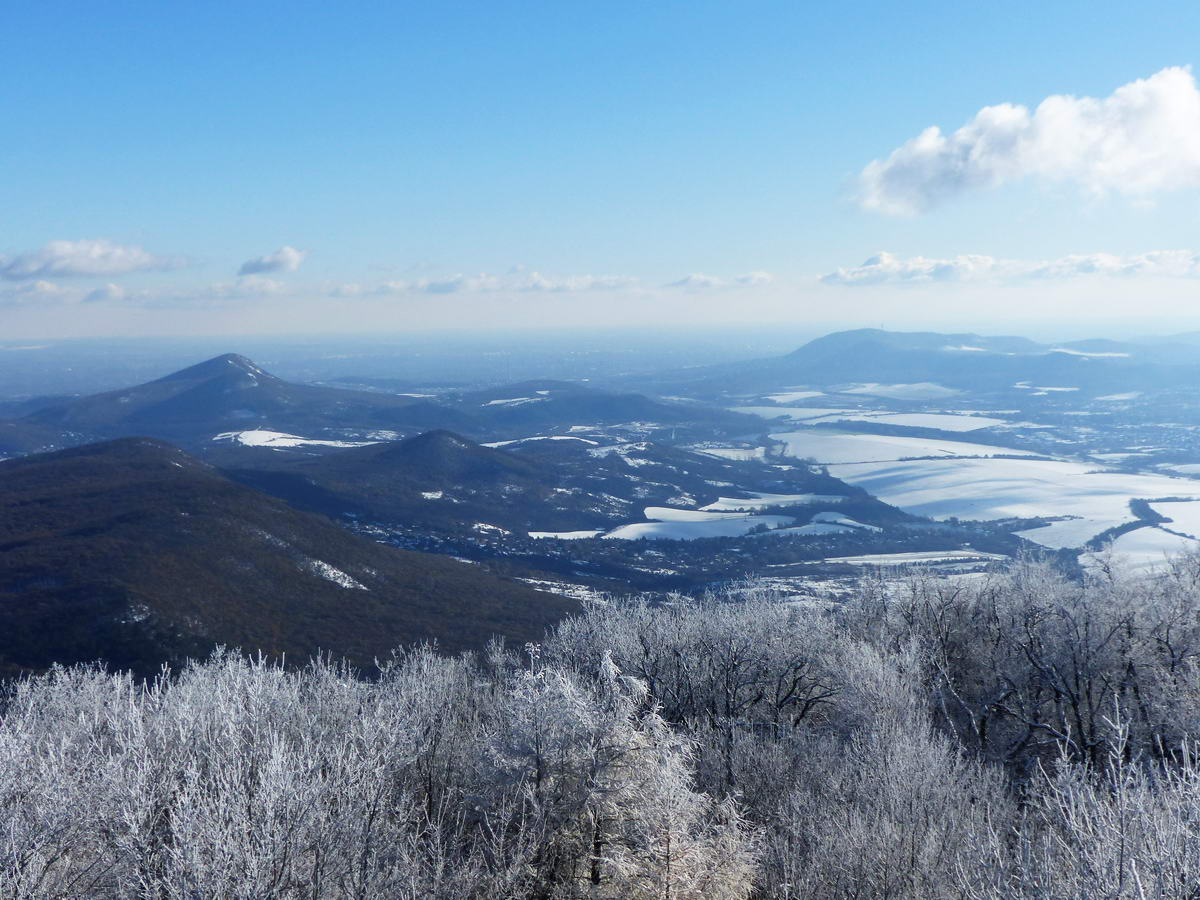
x,y
965,362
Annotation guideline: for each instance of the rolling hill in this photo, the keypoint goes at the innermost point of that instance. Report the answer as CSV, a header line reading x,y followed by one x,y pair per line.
x,y
965,362
135,553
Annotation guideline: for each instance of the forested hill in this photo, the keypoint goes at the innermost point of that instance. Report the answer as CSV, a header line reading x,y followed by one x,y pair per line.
x,y
136,553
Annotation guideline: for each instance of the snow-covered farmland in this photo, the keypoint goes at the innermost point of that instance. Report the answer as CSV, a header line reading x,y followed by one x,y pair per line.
x,y
922,390
1003,488
1185,517
1145,548
739,454
835,447
793,396
690,524
278,440
812,415
567,535
762,501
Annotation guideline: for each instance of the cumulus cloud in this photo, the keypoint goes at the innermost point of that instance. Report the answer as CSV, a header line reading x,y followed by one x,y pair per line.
x,y
1142,139
285,259
65,259
888,268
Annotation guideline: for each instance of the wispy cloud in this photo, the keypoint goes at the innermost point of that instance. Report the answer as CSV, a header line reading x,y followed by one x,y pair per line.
x,y
285,259
108,292
698,281
67,259
29,293
888,268
515,281
1142,139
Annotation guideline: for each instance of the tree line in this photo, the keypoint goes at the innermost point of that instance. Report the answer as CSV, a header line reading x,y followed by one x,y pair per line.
x,y
1019,734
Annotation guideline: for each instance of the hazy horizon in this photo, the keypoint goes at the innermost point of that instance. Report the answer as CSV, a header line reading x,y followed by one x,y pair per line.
x,y
223,170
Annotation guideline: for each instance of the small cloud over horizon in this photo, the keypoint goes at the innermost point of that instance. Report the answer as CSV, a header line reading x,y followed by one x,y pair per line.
x,y
889,268
285,259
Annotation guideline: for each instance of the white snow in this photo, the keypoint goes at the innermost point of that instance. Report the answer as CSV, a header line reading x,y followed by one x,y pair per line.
x,y
921,390
793,396
278,440
839,519
332,573
761,501
542,437
743,454
834,447
566,535
432,495
485,528
1185,468
1185,517
1145,548
1089,355
794,413
812,415
689,524
1002,488
514,401
812,529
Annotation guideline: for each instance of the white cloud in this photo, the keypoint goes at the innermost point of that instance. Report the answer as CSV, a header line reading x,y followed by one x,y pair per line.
x,y
247,287
66,259
1142,139
107,292
697,281
285,259
31,292
887,268
751,279
516,281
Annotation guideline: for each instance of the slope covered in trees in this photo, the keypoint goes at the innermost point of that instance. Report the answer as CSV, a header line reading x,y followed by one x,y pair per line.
x,y
1015,736
136,553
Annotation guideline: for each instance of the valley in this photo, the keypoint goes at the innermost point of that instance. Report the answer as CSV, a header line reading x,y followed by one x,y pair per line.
x,y
805,470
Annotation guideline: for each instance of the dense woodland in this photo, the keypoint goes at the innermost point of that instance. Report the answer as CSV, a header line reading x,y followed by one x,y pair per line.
x,y
1015,735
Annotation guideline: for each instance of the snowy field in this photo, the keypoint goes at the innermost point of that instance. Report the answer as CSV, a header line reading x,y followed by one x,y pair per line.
x,y
1145,548
277,440
795,413
1185,517
922,390
738,454
762,501
793,396
811,415
1185,468
689,524
824,523
833,447
1002,488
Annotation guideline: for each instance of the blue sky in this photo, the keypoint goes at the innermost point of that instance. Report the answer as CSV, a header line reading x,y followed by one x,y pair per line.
x,y
380,165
